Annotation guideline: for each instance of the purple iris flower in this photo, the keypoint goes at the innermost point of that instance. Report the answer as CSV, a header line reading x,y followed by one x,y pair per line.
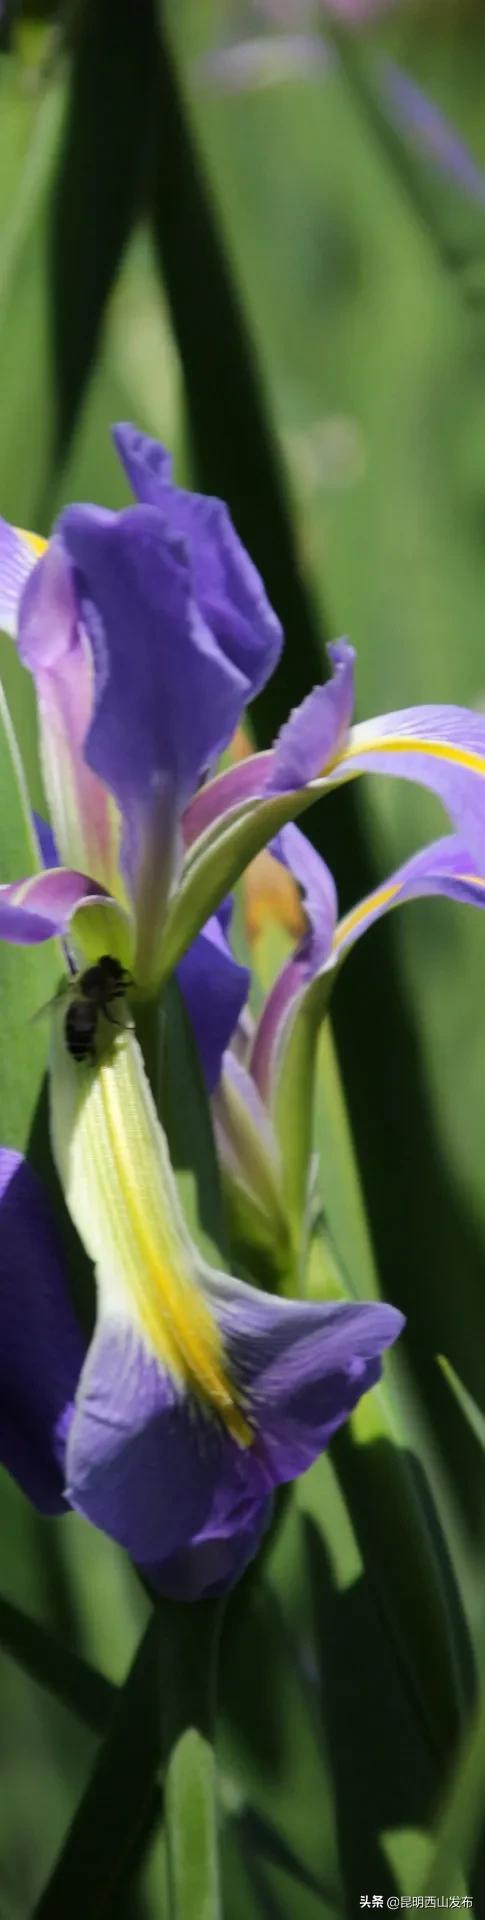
x,y
146,633
182,1483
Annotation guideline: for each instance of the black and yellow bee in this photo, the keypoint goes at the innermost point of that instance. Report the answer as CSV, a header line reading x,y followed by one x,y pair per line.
x,y
90,994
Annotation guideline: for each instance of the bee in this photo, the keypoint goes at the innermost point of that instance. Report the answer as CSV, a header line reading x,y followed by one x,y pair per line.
x,y
93,993
89,994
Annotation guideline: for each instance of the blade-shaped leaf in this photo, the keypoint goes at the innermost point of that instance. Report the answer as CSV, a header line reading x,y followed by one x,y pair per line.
x,y
99,184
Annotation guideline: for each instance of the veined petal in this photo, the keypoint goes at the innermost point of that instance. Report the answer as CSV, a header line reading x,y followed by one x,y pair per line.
x,y
226,585
446,867
18,555
41,1347
54,645
37,908
442,748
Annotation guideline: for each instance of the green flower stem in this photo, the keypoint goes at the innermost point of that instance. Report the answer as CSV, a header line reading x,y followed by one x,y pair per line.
x,y
189,1650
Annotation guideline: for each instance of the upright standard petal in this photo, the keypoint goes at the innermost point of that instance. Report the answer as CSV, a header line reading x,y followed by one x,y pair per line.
x,y
226,585
41,1347
167,697
54,645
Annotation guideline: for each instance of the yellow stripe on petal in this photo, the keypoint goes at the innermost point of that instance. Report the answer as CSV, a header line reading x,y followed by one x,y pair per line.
x,y
434,749
113,1163
353,920
33,540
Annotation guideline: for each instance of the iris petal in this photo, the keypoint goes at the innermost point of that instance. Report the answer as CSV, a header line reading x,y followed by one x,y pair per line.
x,y
226,585
41,1348
17,559
55,648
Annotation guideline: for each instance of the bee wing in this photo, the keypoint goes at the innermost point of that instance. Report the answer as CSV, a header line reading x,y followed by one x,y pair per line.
x,y
63,993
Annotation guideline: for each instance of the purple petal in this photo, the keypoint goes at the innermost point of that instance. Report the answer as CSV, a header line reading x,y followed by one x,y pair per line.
x,y
232,789
46,841
35,909
41,1348
214,988
445,867
168,699
320,905
17,559
442,748
316,731
214,1561
153,1467
144,1461
55,649
304,1367
225,584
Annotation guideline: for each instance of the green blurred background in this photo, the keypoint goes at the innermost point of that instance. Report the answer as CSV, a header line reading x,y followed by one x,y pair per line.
x,y
359,270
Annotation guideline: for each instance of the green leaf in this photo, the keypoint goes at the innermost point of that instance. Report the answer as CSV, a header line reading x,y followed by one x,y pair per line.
x,y
189,1646
472,1414
116,1813
461,1824
235,450
403,1547
99,185
85,1693
275,1771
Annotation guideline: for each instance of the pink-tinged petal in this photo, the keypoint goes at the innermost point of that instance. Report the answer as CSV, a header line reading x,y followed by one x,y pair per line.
x,y
41,1347
42,906
316,732
18,556
319,901
225,795
444,868
442,748
54,646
